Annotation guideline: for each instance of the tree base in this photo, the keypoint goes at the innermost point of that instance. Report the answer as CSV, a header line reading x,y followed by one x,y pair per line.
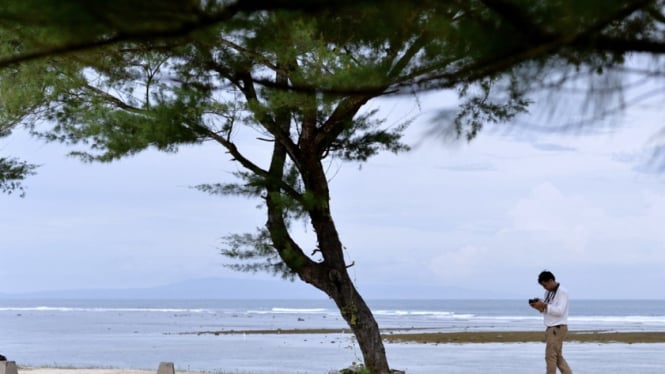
x,y
361,369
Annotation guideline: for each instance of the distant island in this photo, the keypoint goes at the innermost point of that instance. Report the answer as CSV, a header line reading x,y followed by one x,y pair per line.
x,y
228,288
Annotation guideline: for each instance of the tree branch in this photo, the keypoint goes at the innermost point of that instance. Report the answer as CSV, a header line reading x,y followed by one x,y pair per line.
x,y
603,43
120,37
182,29
255,56
496,64
516,16
346,109
114,100
245,162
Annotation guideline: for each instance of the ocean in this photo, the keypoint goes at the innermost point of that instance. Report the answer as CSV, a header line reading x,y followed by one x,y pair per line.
x,y
142,333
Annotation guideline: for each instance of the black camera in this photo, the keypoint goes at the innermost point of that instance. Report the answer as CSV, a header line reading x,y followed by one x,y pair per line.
x,y
531,301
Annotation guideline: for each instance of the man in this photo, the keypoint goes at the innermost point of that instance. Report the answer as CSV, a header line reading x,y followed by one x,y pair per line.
x,y
555,312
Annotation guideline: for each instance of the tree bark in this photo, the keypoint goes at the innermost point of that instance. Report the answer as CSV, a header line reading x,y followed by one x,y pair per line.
x,y
337,284
331,275
365,328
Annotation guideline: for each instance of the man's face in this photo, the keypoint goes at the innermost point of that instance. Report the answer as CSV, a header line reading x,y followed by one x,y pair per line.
x,y
549,285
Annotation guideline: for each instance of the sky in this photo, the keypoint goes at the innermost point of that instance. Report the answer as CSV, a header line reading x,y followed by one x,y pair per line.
x,y
486,216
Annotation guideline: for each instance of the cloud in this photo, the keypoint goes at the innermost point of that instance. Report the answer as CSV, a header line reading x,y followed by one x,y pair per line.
x,y
546,209
460,263
575,228
552,147
626,157
478,166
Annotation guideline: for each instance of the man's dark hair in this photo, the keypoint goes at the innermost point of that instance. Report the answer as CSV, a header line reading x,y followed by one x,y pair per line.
x,y
545,275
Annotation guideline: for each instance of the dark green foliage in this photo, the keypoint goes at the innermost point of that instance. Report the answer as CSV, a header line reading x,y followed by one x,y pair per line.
x,y
118,133
255,252
12,173
363,138
483,107
118,77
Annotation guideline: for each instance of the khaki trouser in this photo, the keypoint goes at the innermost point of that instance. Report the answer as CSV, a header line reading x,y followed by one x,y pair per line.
x,y
554,337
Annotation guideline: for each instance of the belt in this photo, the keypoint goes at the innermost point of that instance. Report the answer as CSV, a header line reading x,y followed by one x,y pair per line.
x,y
556,326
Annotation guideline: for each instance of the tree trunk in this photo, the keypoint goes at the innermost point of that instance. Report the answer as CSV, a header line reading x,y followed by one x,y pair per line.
x,y
361,320
339,286
330,275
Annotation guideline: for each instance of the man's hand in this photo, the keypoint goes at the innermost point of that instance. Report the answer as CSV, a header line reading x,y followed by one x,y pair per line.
x,y
539,306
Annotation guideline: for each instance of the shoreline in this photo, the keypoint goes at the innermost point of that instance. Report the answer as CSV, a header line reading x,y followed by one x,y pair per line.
x,y
438,337
525,337
407,348
56,370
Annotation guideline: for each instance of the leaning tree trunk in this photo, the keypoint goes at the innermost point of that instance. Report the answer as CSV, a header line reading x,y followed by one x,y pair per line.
x,y
337,284
361,321
331,276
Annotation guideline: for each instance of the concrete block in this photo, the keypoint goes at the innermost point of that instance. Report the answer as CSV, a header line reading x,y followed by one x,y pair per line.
x,y
164,368
8,367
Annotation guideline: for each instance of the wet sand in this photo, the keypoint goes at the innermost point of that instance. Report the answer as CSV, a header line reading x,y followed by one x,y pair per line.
x,y
92,371
82,371
433,352
397,336
526,336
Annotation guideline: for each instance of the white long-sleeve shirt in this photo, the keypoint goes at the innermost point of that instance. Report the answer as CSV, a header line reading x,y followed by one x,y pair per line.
x,y
556,312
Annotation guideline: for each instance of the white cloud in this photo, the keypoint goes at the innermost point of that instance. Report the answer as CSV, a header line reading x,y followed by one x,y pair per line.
x,y
461,263
580,229
547,214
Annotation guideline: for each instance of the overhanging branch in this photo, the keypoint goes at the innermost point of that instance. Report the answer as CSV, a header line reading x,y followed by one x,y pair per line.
x,y
182,29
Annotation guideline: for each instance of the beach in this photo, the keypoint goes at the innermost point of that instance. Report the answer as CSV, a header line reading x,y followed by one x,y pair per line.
x,y
403,335
426,353
87,371
310,337
527,336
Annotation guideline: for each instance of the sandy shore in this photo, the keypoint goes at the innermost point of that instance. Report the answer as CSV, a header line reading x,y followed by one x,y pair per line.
x,y
92,371
415,337
527,336
83,371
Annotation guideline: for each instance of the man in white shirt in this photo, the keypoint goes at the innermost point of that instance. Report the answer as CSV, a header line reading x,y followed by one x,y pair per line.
x,y
555,314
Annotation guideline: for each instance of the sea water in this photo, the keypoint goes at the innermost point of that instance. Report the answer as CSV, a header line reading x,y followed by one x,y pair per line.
x,y
142,333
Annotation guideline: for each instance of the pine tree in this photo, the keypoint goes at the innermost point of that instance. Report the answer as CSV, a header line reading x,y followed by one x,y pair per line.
x,y
117,77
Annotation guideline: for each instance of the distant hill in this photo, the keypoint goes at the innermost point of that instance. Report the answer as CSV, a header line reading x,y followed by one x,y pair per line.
x,y
204,288
232,288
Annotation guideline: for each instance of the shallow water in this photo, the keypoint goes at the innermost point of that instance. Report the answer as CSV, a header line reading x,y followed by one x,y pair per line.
x,y
142,333
319,354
